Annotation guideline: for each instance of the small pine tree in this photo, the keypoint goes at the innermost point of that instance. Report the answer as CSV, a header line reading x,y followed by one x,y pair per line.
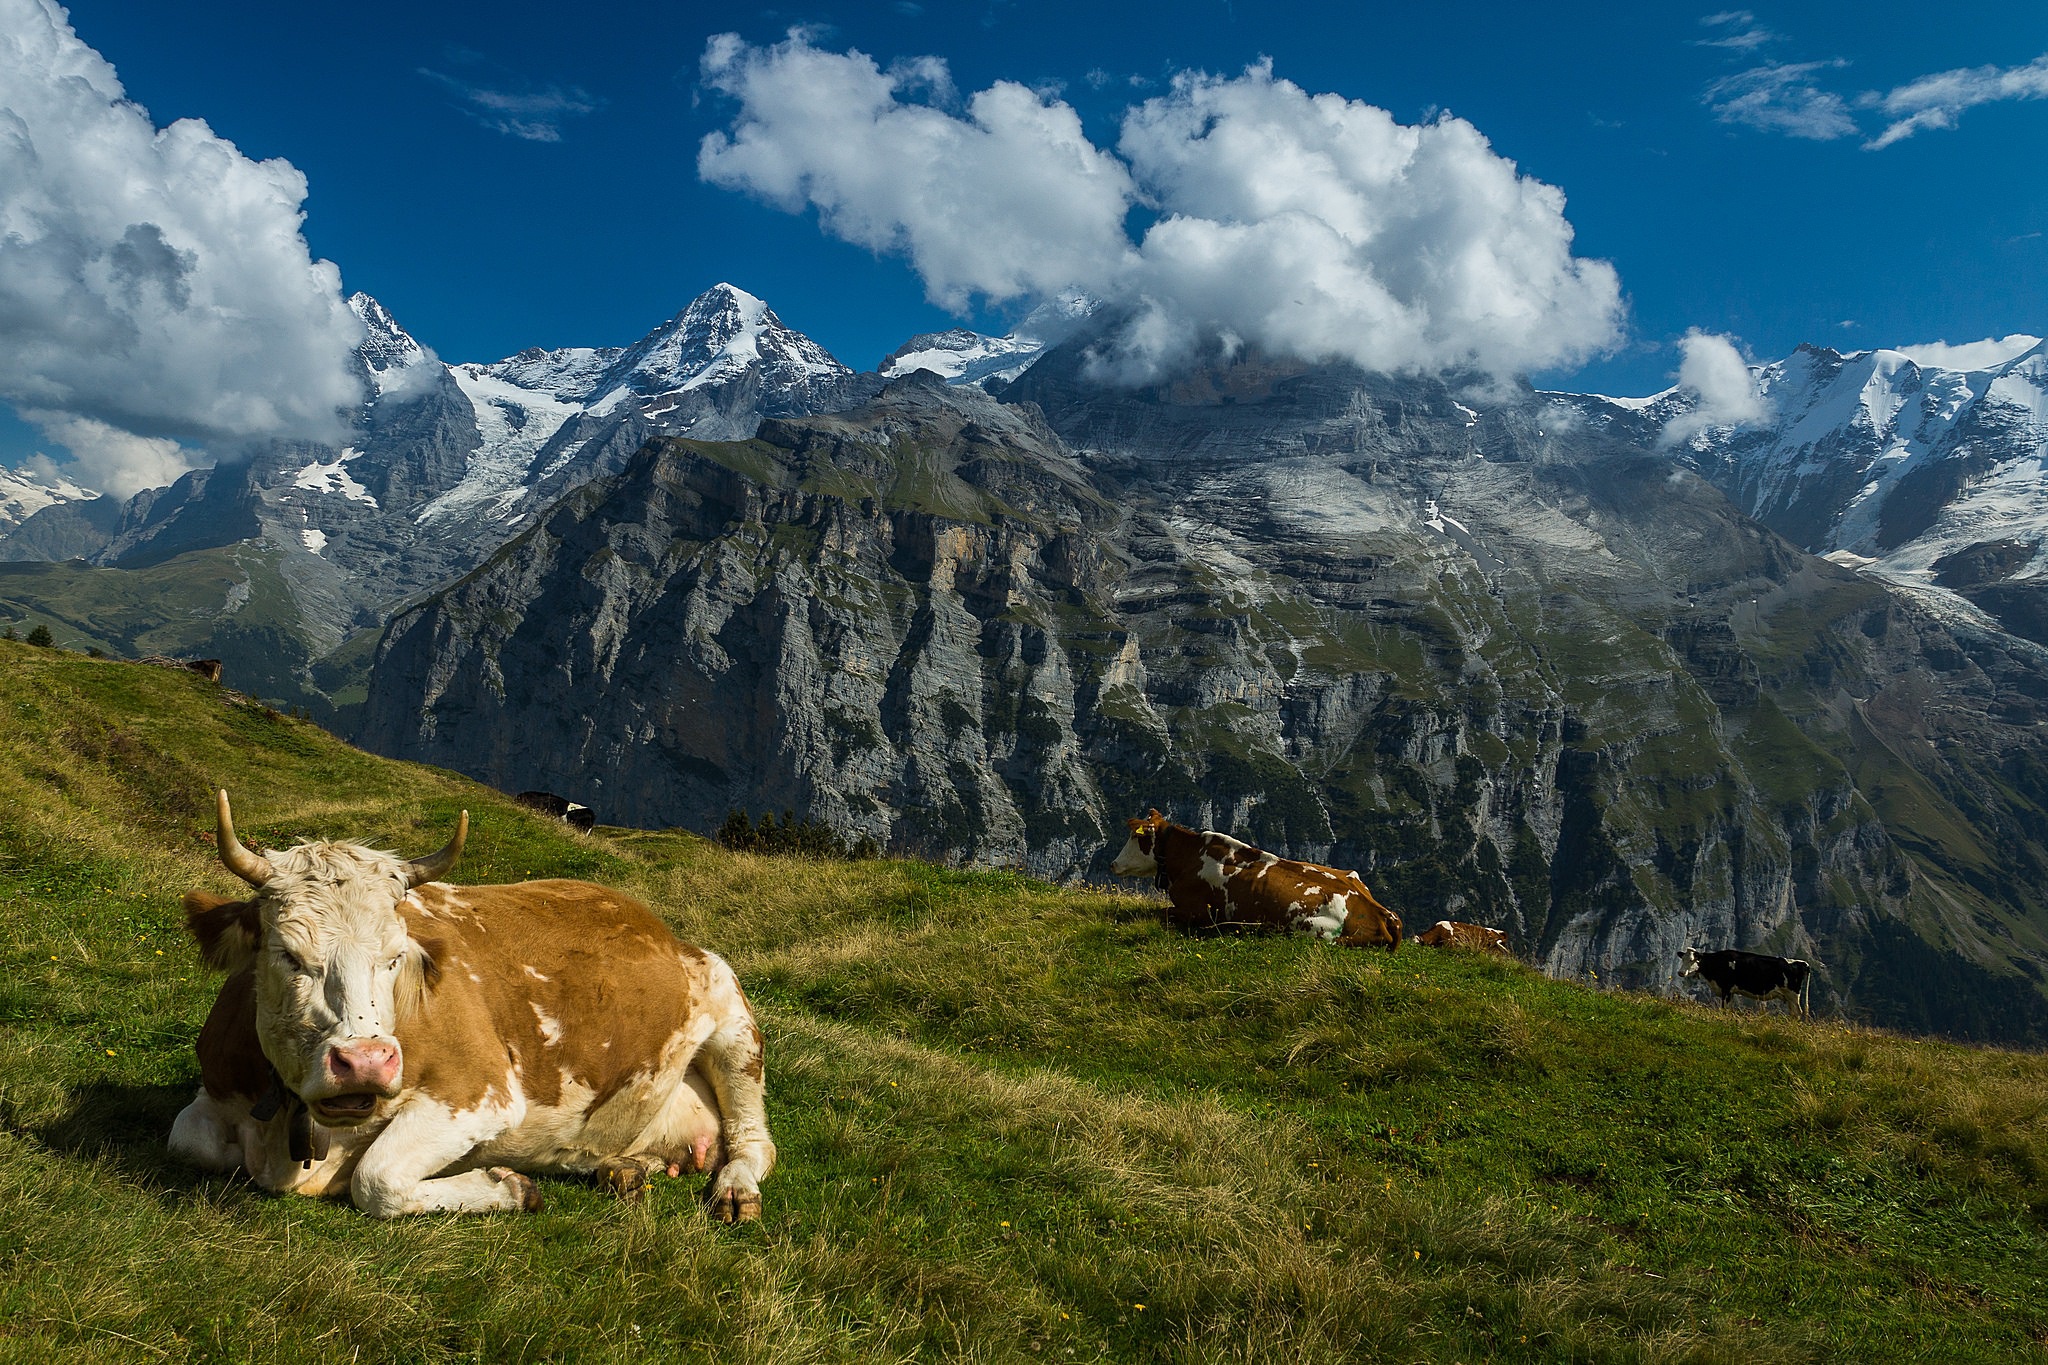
x,y
41,637
9,634
805,838
737,833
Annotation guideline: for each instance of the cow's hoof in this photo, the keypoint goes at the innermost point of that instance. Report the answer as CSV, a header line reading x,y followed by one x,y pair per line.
x,y
624,1176
522,1187
734,1205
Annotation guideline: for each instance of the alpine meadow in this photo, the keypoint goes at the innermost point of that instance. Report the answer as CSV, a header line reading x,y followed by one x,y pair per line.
x,y
1016,680
1017,1121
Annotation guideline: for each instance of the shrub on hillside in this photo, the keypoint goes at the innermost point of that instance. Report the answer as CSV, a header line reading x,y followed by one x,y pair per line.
x,y
41,636
806,837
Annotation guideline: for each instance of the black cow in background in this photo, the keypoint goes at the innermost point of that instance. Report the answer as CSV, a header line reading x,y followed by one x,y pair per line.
x,y
1758,975
572,813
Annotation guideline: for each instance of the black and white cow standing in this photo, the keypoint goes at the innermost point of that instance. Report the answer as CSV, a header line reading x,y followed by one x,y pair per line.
x,y
1758,975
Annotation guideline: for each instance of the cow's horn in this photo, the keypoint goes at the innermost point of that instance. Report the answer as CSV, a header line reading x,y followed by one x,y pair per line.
x,y
436,865
252,868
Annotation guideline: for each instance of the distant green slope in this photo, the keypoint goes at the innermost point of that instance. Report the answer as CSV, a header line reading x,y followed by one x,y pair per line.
x,y
228,603
1016,1122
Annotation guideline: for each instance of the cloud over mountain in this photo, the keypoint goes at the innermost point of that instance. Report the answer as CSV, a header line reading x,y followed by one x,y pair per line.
x,y
153,282
1306,224
1712,368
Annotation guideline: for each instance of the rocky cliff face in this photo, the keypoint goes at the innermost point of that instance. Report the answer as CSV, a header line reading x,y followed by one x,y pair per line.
x,y
1516,670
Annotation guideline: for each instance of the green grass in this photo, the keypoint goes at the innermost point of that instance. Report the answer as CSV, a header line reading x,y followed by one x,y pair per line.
x,y
1009,1114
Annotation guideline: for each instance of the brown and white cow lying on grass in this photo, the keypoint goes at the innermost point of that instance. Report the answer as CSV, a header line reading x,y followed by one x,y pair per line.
x,y
425,1047
1216,882
1477,938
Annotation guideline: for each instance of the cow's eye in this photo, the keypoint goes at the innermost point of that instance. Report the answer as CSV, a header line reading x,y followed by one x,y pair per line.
x,y
392,965
291,960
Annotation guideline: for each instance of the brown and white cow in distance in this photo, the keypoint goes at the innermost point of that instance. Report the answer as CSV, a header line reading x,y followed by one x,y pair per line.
x,y
1476,938
448,1041
1216,882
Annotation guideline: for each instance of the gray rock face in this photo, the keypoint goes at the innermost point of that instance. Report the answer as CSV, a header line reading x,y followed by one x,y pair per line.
x,y
61,531
1514,669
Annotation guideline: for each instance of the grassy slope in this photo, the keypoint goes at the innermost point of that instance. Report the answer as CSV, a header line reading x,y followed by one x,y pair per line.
x,y
186,607
1009,1115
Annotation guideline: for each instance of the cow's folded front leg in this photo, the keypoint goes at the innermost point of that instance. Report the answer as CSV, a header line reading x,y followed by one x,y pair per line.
x,y
397,1174
207,1134
732,1062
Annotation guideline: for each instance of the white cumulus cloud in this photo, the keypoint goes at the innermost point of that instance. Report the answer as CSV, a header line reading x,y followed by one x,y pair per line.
x,y
1711,368
1306,224
154,283
1008,199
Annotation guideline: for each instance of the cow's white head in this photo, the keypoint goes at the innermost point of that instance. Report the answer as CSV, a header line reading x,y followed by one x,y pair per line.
x,y
1692,962
336,970
1139,857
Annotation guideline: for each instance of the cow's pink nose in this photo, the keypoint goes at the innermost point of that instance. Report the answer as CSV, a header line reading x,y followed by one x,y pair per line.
x,y
370,1064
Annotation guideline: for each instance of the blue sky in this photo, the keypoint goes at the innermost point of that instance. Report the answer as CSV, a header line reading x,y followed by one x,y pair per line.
x,y
508,175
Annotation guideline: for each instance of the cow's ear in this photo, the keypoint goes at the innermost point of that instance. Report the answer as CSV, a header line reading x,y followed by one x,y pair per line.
x,y
227,931
419,974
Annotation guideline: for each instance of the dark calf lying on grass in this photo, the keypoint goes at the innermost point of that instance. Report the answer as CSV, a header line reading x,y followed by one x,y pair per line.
x,y
1759,975
1477,938
1217,882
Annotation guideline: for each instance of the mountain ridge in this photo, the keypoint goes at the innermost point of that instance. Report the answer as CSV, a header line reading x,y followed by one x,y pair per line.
x,y
1512,675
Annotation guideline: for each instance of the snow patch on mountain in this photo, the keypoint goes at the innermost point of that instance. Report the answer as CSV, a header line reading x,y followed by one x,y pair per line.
x,y
519,407
23,494
333,477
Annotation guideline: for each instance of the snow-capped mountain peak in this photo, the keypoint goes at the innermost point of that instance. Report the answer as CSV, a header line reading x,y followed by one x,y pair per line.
x,y
391,359
724,331
1902,462
566,374
712,371
1975,355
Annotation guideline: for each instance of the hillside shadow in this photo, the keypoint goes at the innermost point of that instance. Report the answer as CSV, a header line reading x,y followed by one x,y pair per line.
x,y
122,1128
